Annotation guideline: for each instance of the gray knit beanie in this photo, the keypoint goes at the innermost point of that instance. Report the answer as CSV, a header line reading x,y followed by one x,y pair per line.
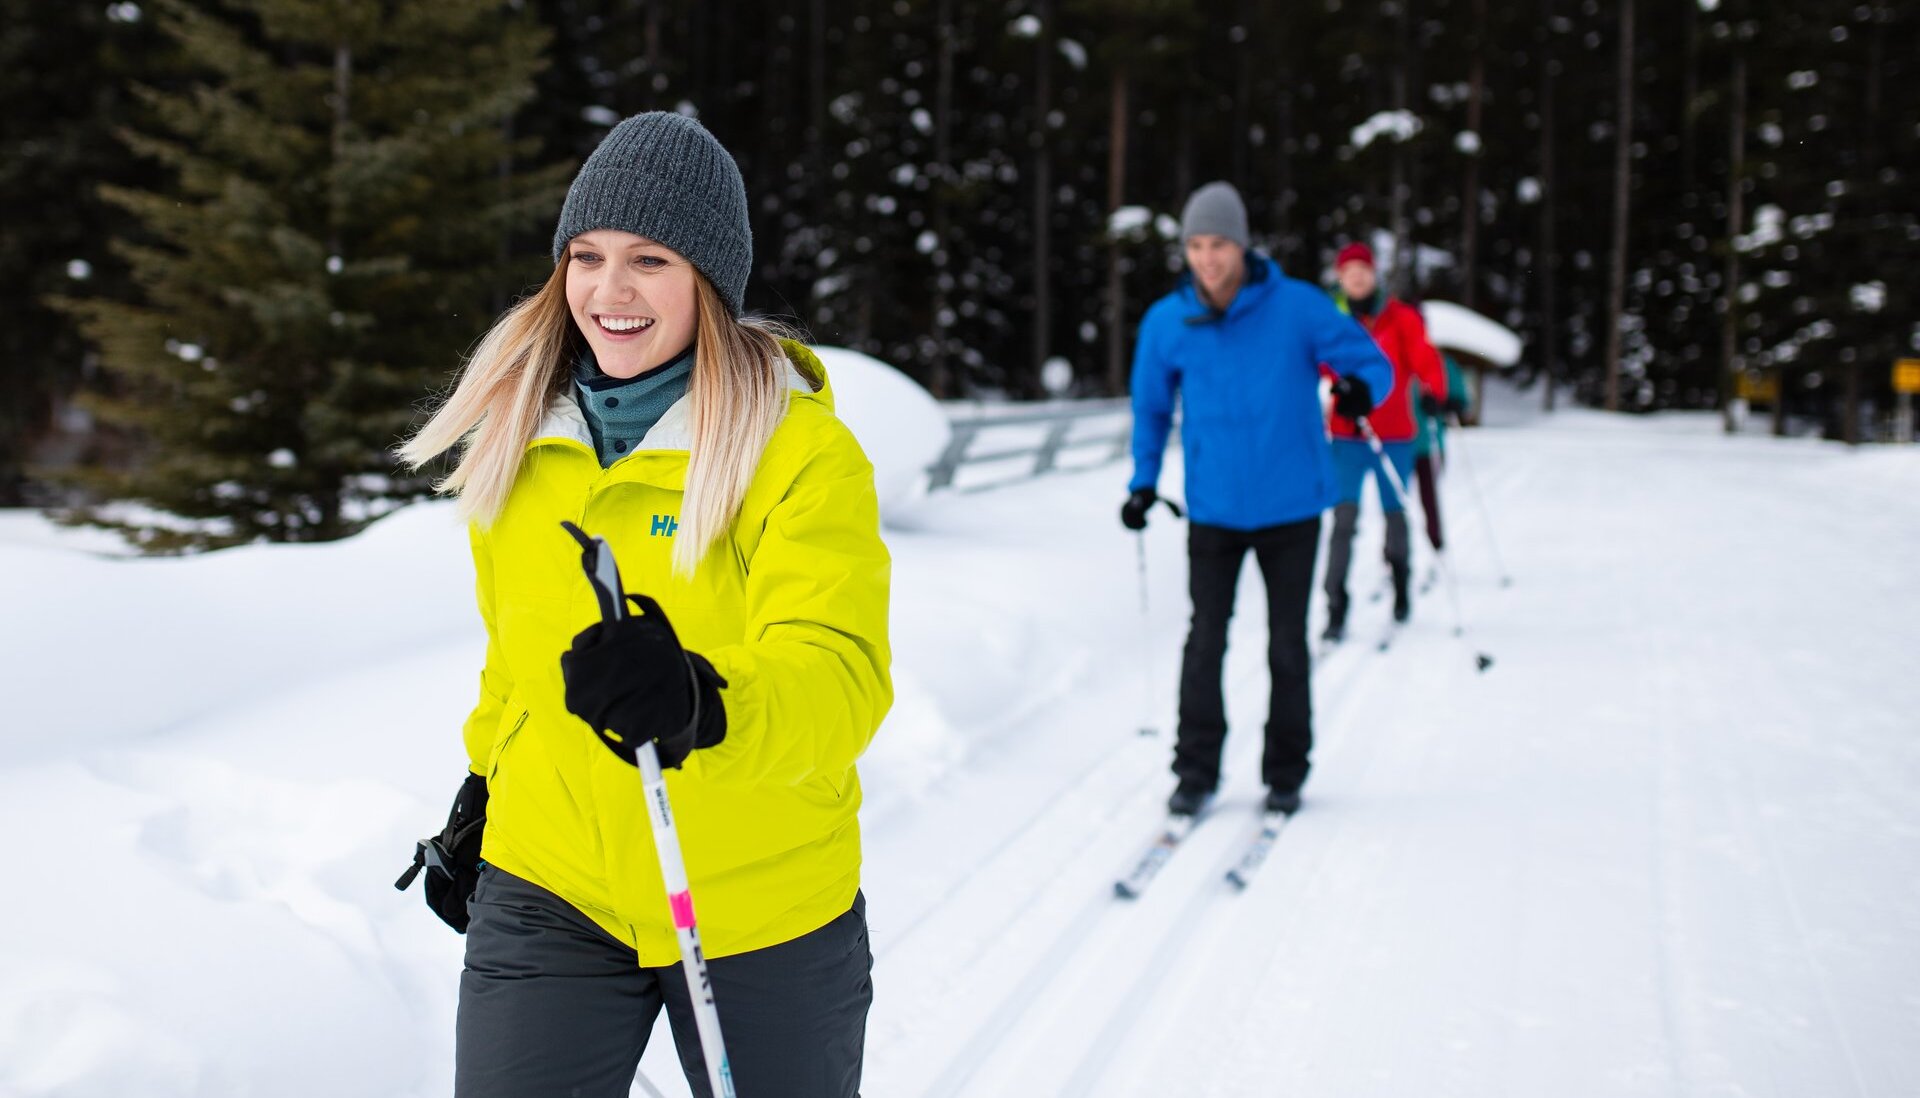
x,y
663,176
1215,209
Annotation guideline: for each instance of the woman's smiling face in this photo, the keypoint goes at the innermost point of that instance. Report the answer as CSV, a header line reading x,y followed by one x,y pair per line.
x,y
633,298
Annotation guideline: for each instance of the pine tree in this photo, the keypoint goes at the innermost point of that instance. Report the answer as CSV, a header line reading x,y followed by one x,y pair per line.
x,y
63,69
337,232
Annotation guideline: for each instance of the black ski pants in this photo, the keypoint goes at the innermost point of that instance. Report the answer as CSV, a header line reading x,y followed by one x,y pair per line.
x,y
1214,554
552,1006
1427,470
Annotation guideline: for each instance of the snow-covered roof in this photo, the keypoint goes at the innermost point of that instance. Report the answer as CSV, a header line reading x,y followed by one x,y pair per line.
x,y
1457,328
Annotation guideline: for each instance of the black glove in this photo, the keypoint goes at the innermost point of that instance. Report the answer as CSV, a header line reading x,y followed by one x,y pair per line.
x,y
632,682
452,858
1352,398
1133,513
1438,409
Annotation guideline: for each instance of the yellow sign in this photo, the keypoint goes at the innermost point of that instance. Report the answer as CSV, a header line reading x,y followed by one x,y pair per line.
x,y
1755,387
1906,375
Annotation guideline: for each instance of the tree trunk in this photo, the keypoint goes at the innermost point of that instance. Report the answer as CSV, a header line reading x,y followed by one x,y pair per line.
x,y
1042,190
342,114
1850,406
654,83
1470,186
1116,197
1183,150
1283,174
1549,200
817,85
1242,80
1622,183
1397,201
946,380
1780,401
1689,93
1736,216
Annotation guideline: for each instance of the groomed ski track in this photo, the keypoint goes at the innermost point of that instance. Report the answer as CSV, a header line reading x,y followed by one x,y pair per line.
x,y
1655,850
1000,1007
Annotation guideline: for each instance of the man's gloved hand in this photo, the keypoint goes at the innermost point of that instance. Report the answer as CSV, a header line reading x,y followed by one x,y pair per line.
x,y
1352,398
632,682
1133,513
1438,409
452,858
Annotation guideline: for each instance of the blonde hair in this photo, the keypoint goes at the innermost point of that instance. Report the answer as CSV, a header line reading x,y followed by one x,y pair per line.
x,y
737,396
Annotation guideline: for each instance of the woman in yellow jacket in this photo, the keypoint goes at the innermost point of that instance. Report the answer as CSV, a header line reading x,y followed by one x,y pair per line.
x,y
629,397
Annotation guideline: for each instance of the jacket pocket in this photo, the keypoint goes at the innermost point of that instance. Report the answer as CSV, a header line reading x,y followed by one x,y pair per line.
x,y
501,742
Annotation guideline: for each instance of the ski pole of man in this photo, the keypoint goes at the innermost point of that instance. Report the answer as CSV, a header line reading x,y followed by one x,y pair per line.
x,y
1402,337
1239,346
757,689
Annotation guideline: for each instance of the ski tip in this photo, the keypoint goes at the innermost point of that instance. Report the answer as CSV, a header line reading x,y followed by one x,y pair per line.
x,y
1123,891
1236,881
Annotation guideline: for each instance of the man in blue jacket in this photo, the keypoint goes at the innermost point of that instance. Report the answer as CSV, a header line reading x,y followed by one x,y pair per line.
x,y
1242,346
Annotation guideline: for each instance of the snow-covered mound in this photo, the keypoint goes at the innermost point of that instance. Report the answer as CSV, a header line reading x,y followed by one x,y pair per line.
x,y
1457,328
898,423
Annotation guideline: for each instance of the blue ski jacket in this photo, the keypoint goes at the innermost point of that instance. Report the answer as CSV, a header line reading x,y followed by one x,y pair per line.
x,y
1248,382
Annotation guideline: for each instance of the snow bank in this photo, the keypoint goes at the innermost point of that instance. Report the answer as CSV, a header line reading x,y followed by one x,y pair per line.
x,y
1457,328
898,423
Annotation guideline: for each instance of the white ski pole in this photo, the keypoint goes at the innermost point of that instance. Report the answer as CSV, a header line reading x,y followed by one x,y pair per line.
x,y
604,575
1480,504
1481,660
1150,696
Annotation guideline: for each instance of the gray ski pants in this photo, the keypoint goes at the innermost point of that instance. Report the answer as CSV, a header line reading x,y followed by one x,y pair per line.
x,y
552,1006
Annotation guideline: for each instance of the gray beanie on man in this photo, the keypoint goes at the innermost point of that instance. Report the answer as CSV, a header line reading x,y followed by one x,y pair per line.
x,y
1216,210
663,176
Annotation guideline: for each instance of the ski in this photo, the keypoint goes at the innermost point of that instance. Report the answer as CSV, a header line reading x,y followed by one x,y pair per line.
x,y
1251,858
1148,867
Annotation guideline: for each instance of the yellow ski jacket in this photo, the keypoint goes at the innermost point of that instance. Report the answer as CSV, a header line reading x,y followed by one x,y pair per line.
x,y
790,606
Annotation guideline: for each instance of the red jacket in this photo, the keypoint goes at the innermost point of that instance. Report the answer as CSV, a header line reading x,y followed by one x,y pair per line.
x,y
1402,337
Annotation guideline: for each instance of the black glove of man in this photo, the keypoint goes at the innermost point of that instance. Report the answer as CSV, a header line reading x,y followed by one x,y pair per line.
x,y
1438,409
1133,513
1352,397
452,858
632,682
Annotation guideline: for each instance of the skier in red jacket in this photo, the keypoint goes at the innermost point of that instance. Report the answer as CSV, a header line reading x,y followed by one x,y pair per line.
x,y
1401,334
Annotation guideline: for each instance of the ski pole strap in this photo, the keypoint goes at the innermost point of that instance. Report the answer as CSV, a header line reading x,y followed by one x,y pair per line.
x,y
1174,507
419,863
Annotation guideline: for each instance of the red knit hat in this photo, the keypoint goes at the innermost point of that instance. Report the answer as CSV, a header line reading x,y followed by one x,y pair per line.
x,y
1355,252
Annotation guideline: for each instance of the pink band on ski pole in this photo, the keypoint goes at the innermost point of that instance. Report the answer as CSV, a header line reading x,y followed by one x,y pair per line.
x,y
682,904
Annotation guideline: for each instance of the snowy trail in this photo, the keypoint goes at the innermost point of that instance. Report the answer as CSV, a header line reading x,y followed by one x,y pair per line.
x,y
1665,847
1061,954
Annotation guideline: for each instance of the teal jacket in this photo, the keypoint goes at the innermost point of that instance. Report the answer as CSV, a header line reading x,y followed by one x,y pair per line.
x,y
1432,434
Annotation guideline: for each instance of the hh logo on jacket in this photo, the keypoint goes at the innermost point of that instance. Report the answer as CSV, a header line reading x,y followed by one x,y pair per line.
x,y
665,525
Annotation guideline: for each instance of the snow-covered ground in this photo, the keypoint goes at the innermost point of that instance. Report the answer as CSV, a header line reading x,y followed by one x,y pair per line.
x,y
1668,845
